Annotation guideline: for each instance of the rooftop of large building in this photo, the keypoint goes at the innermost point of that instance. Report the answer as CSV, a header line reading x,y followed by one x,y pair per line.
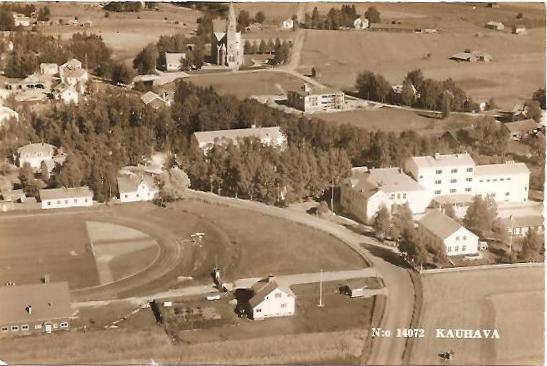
x,y
509,167
45,301
63,193
443,161
384,179
261,133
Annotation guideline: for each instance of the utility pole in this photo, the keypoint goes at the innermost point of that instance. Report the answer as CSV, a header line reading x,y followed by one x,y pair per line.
x,y
511,234
320,289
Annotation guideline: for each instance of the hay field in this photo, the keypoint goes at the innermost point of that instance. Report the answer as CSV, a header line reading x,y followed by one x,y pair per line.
x,y
518,68
510,300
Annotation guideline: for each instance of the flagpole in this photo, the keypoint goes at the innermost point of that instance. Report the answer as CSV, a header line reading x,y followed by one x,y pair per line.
x,y
320,289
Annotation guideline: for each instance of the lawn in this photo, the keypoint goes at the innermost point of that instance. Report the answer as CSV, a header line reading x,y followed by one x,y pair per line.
x,y
262,245
396,120
56,245
246,84
509,299
518,68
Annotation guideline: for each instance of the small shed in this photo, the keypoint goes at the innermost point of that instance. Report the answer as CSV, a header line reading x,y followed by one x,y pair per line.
x,y
354,288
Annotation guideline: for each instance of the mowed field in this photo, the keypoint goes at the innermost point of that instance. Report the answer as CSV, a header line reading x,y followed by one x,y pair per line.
x,y
59,246
246,84
510,300
517,70
125,33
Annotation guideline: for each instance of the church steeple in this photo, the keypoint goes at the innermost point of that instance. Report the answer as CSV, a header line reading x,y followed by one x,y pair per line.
x,y
231,23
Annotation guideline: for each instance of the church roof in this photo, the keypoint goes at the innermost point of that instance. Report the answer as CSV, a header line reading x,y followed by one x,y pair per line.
x,y
219,35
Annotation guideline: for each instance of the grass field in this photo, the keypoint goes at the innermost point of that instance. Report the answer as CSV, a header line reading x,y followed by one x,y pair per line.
x,y
125,33
244,85
396,120
510,300
518,68
262,245
34,247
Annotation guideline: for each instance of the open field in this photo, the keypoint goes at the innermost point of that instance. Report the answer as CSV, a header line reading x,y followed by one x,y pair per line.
x,y
304,338
510,300
51,245
517,70
244,85
396,120
266,251
125,33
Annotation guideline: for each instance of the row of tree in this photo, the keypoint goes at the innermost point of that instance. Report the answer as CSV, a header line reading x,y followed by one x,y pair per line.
x,y
338,17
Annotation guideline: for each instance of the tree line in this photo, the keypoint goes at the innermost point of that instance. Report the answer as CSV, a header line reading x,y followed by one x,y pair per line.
x,y
281,50
336,18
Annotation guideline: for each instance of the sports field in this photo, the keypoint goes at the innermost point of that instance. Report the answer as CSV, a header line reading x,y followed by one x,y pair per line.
x,y
510,300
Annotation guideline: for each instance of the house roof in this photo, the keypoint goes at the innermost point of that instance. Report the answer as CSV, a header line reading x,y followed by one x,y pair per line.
x,y
78,73
263,288
509,167
13,195
62,193
71,64
357,283
129,183
48,301
261,133
149,97
443,161
36,149
174,58
439,224
527,221
523,126
382,179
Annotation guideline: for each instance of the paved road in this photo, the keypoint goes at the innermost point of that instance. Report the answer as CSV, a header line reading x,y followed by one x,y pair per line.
x,y
400,302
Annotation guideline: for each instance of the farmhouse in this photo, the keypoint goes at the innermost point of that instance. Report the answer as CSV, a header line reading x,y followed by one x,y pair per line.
x,y
34,154
20,20
521,129
495,25
271,136
472,56
153,100
520,225
226,45
66,197
173,61
506,182
7,114
287,24
36,308
270,300
437,228
367,190
360,23
135,188
308,100
354,288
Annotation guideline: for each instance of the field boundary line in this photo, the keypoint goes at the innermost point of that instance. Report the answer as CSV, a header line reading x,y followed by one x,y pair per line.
x,y
416,313
478,268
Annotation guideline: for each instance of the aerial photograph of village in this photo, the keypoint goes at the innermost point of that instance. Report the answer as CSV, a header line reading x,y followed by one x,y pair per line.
x,y
272,183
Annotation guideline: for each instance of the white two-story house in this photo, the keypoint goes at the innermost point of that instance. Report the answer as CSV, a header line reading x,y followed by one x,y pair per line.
x,y
133,188
270,300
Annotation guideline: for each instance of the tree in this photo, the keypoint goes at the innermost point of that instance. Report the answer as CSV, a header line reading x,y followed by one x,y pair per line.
x,y
381,222
260,17
282,54
173,184
365,84
121,73
247,47
531,247
539,96
533,110
407,93
70,173
262,47
145,61
44,172
411,244
480,215
243,20
6,19
446,103
313,72
401,220
28,182
373,15
520,16
315,18
44,14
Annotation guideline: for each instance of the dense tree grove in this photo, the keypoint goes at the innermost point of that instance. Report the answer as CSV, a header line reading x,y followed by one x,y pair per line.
x,y
335,18
123,6
33,48
539,96
417,91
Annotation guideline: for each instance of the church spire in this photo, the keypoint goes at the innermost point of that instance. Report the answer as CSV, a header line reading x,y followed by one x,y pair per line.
x,y
231,23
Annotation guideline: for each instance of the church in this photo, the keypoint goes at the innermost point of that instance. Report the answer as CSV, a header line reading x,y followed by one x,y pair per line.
x,y
227,47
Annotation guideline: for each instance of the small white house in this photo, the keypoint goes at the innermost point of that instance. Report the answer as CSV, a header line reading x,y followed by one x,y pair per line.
x,y
66,93
173,61
287,24
66,197
270,300
436,227
495,25
34,154
135,188
360,23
